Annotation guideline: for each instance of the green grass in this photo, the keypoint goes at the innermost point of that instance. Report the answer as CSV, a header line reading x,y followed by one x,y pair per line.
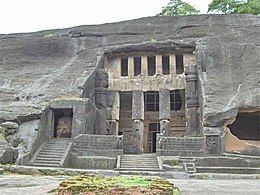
x,y
106,185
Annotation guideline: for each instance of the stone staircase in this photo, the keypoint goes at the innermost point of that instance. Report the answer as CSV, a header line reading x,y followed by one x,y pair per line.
x,y
139,162
52,153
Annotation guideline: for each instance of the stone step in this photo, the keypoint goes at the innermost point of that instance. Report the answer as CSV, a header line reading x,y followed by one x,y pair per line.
x,y
134,163
137,162
145,159
138,169
51,154
48,158
232,170
139,166
53,151
43,154
45,164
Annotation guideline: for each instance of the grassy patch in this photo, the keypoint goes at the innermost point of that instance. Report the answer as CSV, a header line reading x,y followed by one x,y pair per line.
x,y
116,185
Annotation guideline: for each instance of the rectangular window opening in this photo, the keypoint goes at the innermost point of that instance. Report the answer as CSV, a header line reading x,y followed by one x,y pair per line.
x,y
179,64
151,100
137,66
151,65
175,100
124,67
165,65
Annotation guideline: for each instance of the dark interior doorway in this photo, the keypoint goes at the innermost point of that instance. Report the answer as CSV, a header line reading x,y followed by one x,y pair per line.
x,y
246,126
154,129
63,123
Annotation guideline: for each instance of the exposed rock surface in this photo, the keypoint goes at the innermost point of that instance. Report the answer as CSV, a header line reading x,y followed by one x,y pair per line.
x,y
37,67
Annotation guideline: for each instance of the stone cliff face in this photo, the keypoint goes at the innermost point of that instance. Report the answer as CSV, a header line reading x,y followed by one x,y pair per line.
x,y
38,67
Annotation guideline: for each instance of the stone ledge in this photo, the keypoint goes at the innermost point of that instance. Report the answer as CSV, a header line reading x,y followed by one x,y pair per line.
x,y
208,176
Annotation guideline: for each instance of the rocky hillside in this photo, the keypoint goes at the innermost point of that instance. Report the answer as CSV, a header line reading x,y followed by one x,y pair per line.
x,y
37,67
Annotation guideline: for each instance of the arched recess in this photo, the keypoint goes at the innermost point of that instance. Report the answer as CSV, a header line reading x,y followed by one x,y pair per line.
x,y
243,133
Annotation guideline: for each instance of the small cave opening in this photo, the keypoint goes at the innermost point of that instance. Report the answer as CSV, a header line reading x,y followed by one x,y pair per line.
x,y
247,126
63,123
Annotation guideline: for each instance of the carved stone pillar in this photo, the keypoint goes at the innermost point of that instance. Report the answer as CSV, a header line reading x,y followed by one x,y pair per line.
x,y
137,124
101,94
113,113
192,103
164,112
144,66
158,64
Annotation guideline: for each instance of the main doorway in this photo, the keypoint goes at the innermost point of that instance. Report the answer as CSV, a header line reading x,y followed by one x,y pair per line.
x,y
154,129
62,123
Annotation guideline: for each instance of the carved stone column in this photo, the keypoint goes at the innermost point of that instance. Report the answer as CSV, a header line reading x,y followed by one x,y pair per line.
x,y
113,113
164,112
101,85
192,103
137,124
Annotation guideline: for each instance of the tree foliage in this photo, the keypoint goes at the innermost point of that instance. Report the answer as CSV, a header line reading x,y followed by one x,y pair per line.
x,y
235,6
178,7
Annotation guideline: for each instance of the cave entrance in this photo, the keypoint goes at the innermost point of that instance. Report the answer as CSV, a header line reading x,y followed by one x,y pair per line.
x,y
63,123
247,127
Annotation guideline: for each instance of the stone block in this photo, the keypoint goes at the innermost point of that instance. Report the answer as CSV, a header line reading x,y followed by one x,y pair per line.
x,y
92,162
97,145
112,127
184,146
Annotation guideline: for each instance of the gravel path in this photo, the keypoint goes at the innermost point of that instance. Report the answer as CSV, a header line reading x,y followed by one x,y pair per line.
x,y
38,185
223,187
28,185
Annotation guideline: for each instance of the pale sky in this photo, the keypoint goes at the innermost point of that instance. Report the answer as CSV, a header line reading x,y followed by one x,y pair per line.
x,y
34,15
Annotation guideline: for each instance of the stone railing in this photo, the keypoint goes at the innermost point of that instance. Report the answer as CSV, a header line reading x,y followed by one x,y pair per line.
x,y
97,145
185,146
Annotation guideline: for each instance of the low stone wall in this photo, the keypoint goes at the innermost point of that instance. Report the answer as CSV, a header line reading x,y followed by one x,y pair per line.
x,y
184,146
97,145
92,162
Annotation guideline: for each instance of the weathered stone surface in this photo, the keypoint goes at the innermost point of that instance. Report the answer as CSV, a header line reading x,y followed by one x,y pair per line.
x,y
10,125
42,66
26,137
97,145
7,153
36,68
92,162
229,74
